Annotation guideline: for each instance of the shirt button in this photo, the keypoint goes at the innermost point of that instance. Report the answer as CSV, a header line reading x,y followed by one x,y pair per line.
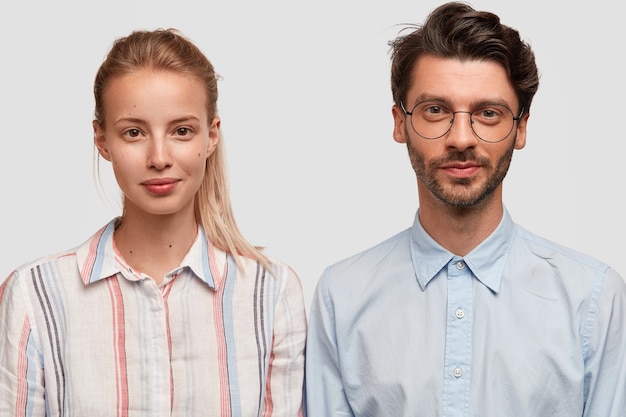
x,y
460,265
459,314
458,372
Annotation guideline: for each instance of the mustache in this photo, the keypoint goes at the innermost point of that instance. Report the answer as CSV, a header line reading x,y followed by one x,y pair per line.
x,y
465,156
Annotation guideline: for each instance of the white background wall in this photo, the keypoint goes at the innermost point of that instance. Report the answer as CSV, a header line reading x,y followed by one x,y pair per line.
x,y
305,103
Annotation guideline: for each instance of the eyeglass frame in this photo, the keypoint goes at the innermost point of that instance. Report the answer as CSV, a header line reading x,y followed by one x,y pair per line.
x,y
515,119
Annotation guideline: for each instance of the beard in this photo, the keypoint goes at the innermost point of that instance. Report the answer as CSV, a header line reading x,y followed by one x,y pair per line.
x,y
461,192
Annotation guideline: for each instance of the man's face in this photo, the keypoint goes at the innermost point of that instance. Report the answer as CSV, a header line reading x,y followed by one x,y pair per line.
x,y
458,168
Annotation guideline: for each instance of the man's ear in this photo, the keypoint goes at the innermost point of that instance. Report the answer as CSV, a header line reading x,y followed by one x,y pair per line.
x,y
520,138
399,128
98,140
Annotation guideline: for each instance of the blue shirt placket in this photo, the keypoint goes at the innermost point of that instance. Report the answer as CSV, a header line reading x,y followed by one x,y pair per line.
x,y
458,350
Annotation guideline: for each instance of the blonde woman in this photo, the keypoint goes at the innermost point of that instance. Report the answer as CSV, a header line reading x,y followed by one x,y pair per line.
x,y
167,310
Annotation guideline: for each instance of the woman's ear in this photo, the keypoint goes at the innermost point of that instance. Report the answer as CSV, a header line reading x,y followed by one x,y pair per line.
x,y
99,140
214,135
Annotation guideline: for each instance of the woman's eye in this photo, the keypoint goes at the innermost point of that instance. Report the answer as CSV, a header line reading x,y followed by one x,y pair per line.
x,y
184,132
133,133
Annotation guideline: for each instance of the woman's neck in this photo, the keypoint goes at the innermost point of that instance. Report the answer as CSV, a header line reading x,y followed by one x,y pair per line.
x,y
155,245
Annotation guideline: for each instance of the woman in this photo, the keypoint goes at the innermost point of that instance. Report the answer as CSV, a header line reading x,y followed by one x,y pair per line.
x,y
167,310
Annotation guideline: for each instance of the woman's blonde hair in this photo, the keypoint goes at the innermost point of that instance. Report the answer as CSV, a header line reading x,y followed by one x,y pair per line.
x,y
169,50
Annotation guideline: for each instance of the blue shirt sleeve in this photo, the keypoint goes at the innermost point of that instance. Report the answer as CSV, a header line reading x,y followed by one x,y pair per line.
x,y
325,395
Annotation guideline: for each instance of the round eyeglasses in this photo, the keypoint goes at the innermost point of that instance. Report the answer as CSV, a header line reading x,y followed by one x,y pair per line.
x,y
490,122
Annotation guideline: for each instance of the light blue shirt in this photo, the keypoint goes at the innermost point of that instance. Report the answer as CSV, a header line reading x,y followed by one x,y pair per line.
x,y
520,327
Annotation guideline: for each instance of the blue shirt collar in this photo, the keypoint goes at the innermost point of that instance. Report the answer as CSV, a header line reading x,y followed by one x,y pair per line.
x,y
486,261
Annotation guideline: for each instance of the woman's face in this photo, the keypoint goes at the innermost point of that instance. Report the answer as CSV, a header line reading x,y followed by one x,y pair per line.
x,y
157,136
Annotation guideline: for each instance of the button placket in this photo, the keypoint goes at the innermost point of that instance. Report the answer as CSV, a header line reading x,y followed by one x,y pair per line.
x,y
458,358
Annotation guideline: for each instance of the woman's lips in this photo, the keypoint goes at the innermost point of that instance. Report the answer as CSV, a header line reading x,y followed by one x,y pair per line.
x,y
160,186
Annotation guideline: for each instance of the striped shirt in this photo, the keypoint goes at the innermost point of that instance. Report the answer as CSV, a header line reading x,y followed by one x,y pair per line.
x,y
85,335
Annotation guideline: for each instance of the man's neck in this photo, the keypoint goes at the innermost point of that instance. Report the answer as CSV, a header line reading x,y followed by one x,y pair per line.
x,y
457,229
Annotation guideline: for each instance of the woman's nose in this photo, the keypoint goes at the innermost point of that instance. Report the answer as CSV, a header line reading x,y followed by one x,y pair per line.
x,y
159,154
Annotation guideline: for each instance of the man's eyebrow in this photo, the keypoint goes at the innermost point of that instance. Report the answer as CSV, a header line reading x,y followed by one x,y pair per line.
x,y
138,120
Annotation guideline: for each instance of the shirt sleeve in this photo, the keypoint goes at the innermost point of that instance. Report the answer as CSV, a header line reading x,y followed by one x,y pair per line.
x,y
325,395
285,382
21,366
605,353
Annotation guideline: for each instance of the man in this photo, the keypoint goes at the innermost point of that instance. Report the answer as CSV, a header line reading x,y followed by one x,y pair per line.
x,y
465,313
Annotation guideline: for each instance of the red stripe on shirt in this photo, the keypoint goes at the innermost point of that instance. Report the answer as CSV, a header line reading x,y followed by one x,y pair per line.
x,y
22,369
87,269
119,330
220,333
268,408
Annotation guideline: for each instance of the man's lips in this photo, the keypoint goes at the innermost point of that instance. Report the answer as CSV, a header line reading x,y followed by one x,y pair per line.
x,y
160,185
461,169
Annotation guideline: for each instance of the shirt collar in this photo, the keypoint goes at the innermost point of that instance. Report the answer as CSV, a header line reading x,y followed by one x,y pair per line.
x,y
486,261
97,258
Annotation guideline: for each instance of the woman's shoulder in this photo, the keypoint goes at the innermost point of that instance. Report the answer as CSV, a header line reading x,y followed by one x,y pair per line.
x,y
45,262
27,280
276,270
272,266
63,260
